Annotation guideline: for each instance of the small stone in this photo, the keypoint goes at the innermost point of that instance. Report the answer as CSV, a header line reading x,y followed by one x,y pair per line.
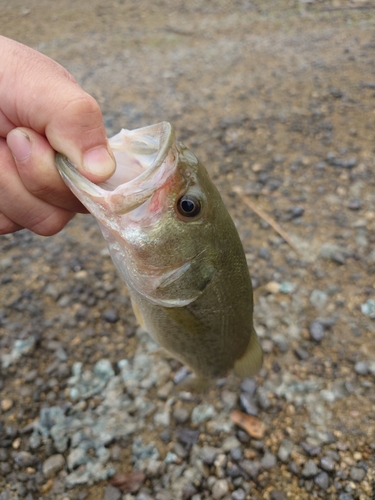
x,y
357,474
230,443
188,436
277,495
111,493
301,353
162,418
368,308
287,287
361,368
264,253
77,457
239,494
318,299
166,436
249,385
6,404
229,399
209,454
248,405
111,316
202,413
220,489
251,467
322,480
355,204
181,415
310,469
268,461
285,449
345,496
316,331
23,458
180,450
327,463
181,375
236,454
311,449
103,369
53,465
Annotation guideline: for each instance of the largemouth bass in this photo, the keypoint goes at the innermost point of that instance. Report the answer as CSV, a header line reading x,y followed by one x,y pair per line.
x,y
175,245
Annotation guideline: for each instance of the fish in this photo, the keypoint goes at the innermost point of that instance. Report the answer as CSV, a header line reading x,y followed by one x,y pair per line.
x,y
175,245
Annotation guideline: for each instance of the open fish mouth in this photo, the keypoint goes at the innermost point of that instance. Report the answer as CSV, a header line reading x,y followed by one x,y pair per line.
x,y
144,161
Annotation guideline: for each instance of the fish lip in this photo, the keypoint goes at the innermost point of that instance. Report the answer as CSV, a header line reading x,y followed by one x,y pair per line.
x,y
127,196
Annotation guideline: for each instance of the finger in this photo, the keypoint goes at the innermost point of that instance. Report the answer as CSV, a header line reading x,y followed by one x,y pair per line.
x,y
38,93
20,206
8,226
35,161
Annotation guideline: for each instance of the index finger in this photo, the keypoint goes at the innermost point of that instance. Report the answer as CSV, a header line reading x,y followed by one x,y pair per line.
x,y
36,92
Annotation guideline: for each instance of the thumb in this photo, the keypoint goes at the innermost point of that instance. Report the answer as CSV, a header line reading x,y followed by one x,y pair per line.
x,y
78,132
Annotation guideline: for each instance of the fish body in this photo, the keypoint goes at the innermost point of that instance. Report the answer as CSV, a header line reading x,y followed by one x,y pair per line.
x,y
175,245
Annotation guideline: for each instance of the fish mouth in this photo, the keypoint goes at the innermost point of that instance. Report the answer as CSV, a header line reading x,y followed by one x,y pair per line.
x,y
144,161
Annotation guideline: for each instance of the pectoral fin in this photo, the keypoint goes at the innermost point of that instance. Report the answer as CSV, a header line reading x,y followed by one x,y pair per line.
x,y
185,318
138,314
251,362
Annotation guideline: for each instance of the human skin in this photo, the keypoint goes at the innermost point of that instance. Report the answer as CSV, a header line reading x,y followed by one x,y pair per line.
x,y
44,110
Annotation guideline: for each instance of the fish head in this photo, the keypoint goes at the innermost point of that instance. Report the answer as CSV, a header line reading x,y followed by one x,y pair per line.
x,y
157,213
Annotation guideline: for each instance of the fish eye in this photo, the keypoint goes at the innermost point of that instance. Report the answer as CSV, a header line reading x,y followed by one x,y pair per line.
x,y
189,206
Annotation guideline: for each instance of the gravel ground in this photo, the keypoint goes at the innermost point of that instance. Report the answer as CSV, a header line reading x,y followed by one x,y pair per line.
x,y
276,98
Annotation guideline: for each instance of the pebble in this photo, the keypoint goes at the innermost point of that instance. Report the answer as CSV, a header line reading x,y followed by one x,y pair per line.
x,y
285,449
209,454
357,474
361,368
181,415
310,469
268,461
239,494
6,404
251,467
111,493
318,299
188,436
249,386
277,495
220,489
53,465
111,316
229,399
327,463
322,480
77,457
230,443
202,413
368,308
248,404
317,331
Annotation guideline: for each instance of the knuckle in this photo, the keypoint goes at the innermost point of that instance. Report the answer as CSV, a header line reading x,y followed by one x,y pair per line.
x,y
84,106
7,226
51,223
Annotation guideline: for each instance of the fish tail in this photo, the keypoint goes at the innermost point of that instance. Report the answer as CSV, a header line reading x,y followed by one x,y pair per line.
x,y
251,361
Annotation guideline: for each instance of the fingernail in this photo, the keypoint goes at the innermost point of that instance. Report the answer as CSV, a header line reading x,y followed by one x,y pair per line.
x,y
99,162
19,143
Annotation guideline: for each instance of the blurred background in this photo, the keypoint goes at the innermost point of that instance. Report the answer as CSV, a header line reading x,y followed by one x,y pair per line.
x,y
276,98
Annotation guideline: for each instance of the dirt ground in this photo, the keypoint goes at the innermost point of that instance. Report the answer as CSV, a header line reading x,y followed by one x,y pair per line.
x,y
274,97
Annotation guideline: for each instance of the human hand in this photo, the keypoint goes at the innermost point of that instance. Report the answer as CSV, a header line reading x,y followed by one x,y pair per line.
x,y
43,110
